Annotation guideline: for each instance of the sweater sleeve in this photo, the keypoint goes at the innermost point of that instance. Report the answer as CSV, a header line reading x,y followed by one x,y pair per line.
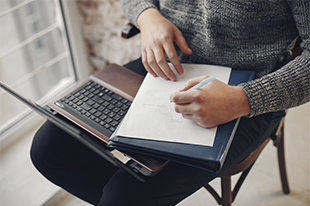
x,y
133,8
290,85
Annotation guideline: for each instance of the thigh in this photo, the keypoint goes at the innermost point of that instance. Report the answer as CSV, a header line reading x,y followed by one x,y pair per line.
x,y
69,164
177,181
251,133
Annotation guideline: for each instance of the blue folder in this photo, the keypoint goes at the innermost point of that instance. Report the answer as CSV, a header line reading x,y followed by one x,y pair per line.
x,y
205,157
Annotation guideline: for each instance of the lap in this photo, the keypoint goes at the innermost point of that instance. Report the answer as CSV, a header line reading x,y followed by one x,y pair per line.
x,y
177,181
71,165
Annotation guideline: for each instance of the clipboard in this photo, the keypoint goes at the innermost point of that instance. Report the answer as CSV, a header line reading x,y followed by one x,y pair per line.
x,y
210,158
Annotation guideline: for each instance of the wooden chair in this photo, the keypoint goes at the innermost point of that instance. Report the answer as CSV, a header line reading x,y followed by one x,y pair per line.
x,y
243,167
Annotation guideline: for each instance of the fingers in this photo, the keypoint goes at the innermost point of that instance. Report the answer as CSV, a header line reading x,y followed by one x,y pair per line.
x,y
183,97
155,63
192,82
173,57
194,112
155,45
181,42
162,63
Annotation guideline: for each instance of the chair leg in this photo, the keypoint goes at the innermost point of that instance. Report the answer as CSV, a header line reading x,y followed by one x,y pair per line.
x,y
281,160
240,181
226,191
214,194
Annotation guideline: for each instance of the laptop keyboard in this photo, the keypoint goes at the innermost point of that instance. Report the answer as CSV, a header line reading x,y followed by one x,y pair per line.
x,y
97,106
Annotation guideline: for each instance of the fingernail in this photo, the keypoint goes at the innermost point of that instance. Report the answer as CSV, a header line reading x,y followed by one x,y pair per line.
x,y
173,78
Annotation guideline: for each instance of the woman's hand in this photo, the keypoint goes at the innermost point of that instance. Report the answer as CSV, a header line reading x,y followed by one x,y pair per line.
x,y
157,37
213,104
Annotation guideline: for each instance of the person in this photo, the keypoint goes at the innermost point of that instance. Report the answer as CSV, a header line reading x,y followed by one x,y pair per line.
x,y
245,35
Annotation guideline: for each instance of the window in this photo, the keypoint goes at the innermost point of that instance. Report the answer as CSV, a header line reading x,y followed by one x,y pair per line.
x,y
35,57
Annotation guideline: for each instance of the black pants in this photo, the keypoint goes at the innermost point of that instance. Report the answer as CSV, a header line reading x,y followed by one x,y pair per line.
x,y
69,164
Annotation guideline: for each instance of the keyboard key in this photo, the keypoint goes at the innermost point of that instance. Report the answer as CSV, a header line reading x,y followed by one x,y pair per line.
x,y
79,103
77,94
90,95
111,114
115,110
101,108
124,101
119,104
85,99
97,114
75,100
92,111
96,105
124,107
105,104
121,113
95,92
113,101
90,102
114,123
86,106
102,117
117,117
106,111
81,96
110,107
117,97
108,120
98,99
82,91
107,97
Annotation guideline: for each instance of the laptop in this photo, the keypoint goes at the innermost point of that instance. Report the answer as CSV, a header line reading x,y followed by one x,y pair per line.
x,y
92,110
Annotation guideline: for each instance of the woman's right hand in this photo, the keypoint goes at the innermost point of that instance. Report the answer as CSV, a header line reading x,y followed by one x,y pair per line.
x,y
157,37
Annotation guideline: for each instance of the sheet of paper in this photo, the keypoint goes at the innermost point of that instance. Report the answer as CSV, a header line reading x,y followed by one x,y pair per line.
x,y
152,116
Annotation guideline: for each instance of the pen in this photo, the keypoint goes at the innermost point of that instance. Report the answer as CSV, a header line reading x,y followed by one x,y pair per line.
x,y
202,83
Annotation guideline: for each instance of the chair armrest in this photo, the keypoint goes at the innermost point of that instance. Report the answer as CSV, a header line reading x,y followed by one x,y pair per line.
x,y
129,31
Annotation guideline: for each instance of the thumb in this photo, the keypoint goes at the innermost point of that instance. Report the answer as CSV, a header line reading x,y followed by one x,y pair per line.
x,y
192,82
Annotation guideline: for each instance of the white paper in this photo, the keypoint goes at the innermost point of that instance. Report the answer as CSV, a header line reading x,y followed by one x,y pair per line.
x,y
152,116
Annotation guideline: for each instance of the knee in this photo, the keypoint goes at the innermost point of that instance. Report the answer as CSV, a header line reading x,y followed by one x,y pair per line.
x,y
38,150
44,146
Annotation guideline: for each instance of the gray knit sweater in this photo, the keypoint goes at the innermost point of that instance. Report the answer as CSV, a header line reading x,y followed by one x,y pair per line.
x,y
244,35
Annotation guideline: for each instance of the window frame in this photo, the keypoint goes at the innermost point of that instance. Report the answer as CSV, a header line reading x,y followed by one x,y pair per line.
x,y
78,53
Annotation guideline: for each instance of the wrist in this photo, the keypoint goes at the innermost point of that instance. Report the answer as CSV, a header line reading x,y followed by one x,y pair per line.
x,y
242,103
146,15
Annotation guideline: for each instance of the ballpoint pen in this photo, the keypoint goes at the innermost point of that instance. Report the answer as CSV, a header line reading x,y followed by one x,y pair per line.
x,y
202,83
